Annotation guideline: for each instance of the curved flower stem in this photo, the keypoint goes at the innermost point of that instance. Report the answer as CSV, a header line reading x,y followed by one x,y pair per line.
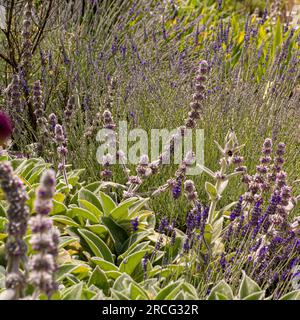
x,y
214,202
65,171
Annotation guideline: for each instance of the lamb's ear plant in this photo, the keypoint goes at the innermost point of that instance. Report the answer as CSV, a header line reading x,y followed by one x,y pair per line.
x,y
230,157
247,290
110,250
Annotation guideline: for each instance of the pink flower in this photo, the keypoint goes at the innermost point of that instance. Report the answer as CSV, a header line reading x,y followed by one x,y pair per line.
x,y
6,127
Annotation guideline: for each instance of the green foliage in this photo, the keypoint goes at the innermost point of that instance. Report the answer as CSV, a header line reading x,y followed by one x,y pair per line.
x,y
248,290
101,257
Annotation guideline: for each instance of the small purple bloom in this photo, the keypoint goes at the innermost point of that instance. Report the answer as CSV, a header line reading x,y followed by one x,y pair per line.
x,y
176,191
236,212
223,262
135,224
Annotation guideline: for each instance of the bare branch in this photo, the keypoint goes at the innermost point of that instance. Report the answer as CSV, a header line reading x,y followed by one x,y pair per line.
x,y
10,15
7,60
38,36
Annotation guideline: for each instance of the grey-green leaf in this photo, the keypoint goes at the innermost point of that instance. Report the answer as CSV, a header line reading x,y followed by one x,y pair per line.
x,y
132,261
73,293
84,213
89,196
168,291
223,289
107,203
248,287
99,279
97,245
259,295
293,295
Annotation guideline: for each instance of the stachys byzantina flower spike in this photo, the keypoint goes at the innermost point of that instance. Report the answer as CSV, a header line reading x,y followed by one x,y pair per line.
x,y
44,239
17,214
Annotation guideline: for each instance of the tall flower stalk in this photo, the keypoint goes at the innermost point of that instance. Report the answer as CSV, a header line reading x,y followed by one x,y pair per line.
x,y
195,113
221,177
44,239
17,214
62,150
26,33
42,122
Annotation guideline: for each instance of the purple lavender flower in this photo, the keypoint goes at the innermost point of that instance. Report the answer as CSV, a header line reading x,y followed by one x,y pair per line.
x,y
264,16
190,222
240,225
176,190
186,245
163,225
228,234
271,210
134,223
223,262
257,244
256,213
236,212
158,243
245,229
145,261
204,215
247,33
220,2
198,214
275,242
123,51
173,238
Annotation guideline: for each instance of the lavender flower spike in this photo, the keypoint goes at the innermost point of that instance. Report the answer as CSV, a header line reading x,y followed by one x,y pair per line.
x,y
17,215
44,239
